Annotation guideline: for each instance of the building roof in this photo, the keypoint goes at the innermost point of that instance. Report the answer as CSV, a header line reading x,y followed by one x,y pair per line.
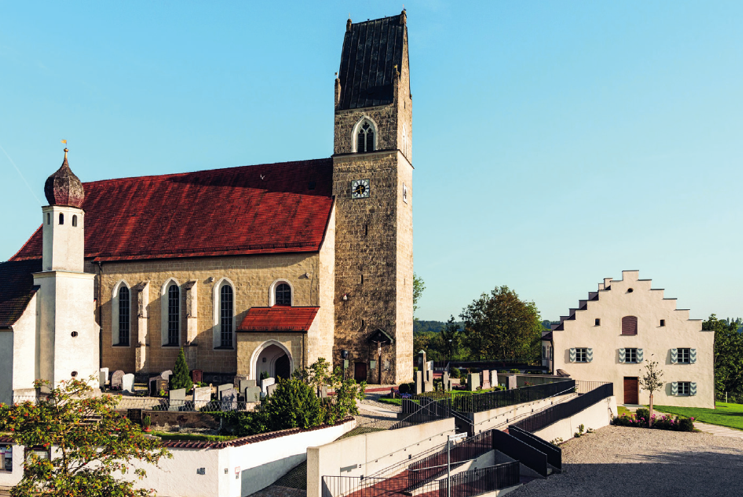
x,y
16,289
63,187
371,50
262,209
278,318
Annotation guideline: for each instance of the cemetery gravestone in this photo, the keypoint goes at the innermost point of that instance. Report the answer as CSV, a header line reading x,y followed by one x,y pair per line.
x,y
161,385
127,383
266,383
177,399
103,377
418,382
270,389
229,399
243,384
494,378
324,392
197,376
446,381
253,394
223,388
201,396
485,379
473,381
116,380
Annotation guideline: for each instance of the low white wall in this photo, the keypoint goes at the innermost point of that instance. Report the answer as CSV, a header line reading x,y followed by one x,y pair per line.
x,y
10,479
486,420
597,416
371,452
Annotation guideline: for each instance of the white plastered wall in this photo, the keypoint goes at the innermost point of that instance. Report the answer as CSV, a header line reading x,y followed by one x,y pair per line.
x,y
24,359
649,306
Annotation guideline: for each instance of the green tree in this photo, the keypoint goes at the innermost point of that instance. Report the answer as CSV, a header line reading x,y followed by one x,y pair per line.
x,y
651,381
293,404
346,391
502,326
418,287
449,337
181,377
90,444
728,354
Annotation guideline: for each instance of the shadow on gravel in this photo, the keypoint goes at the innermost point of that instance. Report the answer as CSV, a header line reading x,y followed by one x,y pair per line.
x,y
683,473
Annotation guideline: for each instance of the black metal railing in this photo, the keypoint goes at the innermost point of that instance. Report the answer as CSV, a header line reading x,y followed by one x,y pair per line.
x,y
422,410
464,484
435,464
566,409
554,453
514,448
503,398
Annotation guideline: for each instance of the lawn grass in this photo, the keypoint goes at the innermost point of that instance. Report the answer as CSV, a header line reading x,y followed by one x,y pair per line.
x,y
730,415
386,400
194,437
623,410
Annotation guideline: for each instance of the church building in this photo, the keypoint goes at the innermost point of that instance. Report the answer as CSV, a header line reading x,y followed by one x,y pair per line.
x,y
252,270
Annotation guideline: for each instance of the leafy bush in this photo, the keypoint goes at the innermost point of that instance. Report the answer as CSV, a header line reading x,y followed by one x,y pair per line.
x,y
293,404
642,413
515,370
455,373
659,422
404,388
181,377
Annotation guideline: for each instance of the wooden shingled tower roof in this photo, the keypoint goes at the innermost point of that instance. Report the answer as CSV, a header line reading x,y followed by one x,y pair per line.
x,y
371,50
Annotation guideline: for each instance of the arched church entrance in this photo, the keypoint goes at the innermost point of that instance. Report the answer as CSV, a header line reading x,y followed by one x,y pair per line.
x,y
272,360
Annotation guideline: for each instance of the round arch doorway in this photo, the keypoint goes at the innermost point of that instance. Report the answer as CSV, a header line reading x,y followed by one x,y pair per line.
x,y
272,359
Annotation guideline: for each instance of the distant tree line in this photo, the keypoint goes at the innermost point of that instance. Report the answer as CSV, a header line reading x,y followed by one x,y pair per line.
x,y
728,357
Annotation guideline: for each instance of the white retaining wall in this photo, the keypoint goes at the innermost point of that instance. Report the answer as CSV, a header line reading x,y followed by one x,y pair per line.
x,y
486,420
371,452
596,416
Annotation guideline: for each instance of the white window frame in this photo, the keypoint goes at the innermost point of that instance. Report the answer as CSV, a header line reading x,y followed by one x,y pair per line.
x,y
687,385
581,351
115,313
217,302
687,354
272,292
355,134
164,313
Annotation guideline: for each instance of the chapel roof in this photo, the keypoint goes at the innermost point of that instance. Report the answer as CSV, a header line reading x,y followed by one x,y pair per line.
x,y
371,50
16,289
261,209
278,318
63,187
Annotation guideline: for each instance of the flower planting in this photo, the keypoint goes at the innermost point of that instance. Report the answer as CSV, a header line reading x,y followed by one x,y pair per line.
x,y
642,418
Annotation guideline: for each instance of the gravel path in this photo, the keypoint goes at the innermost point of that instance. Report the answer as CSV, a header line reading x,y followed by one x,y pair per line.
x,y
620,461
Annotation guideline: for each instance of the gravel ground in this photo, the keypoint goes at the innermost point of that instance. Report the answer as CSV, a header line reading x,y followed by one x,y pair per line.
x,y
371,399
621,461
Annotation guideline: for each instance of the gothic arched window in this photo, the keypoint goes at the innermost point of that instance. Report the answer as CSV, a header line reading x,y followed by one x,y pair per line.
x,y
124,315
226,313
174,314
365,138
283,294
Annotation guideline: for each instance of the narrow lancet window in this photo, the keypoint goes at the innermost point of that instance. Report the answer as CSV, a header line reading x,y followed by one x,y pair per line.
x,y
365,139
227,311
124,315
283,294
174,314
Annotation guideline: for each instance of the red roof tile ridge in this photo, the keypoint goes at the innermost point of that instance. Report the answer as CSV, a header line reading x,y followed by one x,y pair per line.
x,y
154,177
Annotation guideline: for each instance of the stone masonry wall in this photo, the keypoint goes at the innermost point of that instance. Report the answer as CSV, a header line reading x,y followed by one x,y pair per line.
x,y
252,277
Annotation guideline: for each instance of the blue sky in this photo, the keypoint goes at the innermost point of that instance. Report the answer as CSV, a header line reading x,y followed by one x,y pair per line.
x,y
555,143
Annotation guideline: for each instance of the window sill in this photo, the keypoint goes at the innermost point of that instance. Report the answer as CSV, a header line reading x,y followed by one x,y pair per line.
x,y
171,345
120,345
224,348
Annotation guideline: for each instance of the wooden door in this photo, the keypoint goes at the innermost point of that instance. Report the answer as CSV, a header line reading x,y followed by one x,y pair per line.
x,y
359,371
631,390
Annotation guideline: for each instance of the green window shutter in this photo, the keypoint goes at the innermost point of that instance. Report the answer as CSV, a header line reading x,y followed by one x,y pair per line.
x,y
674,388
674,356
589,355
692,356
622,355
639,355
693,388
572,355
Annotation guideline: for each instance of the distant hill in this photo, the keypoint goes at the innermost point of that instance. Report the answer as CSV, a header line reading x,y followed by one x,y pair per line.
x,y
434,326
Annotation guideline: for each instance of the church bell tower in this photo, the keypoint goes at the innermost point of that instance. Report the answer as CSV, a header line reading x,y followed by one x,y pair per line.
x,y
68,338
373,189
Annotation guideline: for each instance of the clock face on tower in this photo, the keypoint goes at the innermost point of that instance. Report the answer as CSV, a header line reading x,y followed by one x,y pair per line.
x,y
360,188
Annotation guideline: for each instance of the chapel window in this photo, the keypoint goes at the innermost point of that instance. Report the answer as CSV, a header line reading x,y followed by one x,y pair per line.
x,y
283,294
124,315
174,314
74,221
365,138
226,313
61,218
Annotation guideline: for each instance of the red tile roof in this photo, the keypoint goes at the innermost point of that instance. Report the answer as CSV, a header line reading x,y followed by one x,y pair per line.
x,y
278,318
263,209
16,289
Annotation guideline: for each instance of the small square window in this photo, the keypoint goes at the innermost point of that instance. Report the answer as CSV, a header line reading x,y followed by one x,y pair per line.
x,y
684,388
597,322
662,322
684,356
